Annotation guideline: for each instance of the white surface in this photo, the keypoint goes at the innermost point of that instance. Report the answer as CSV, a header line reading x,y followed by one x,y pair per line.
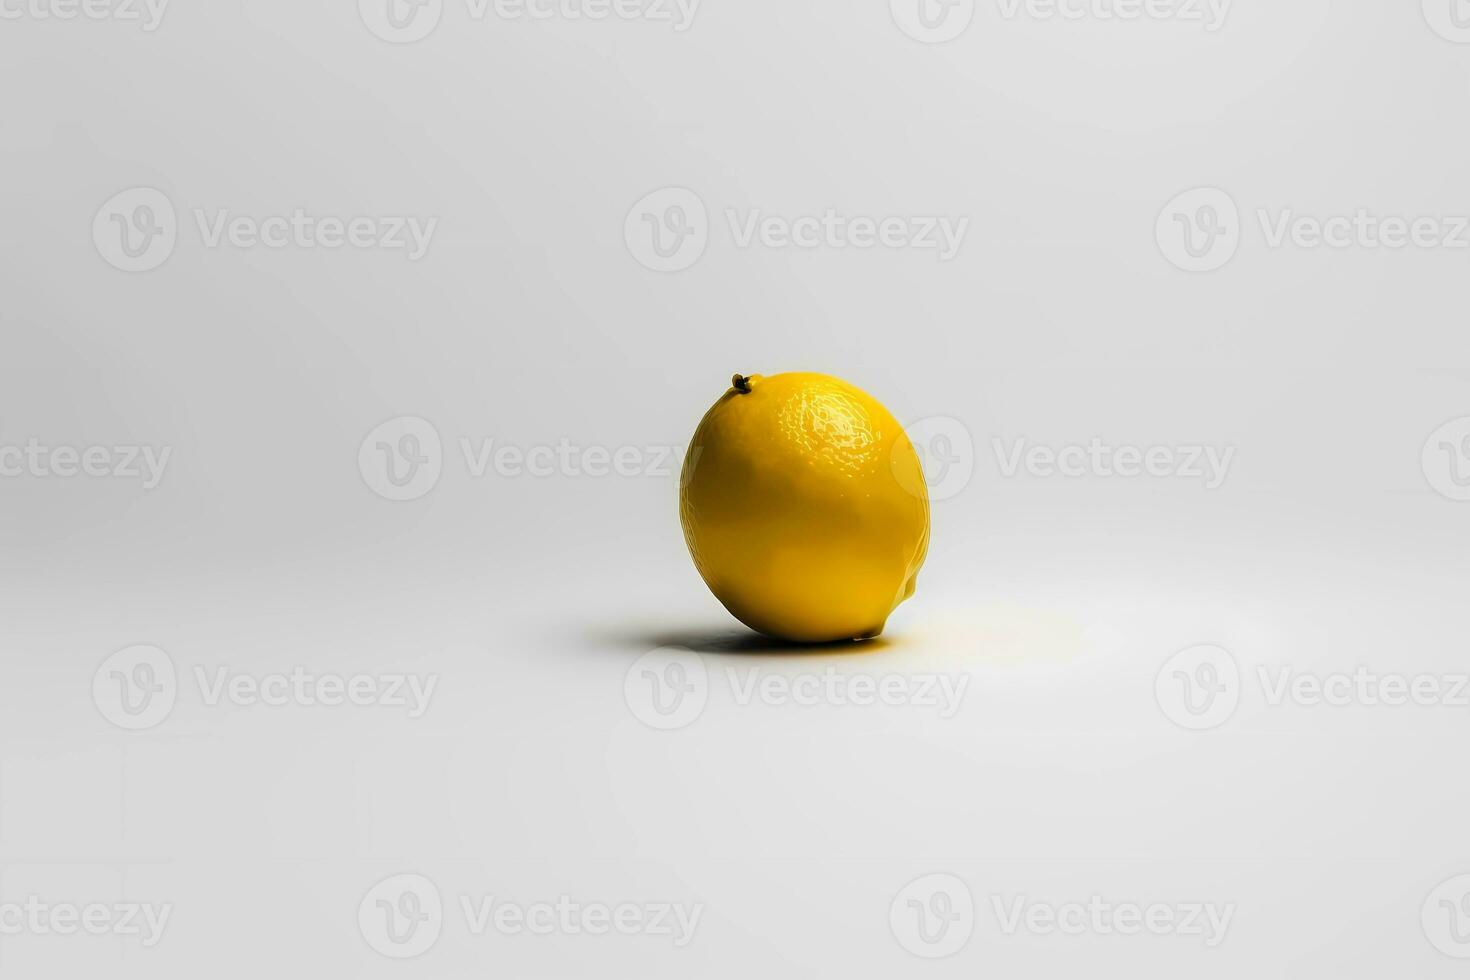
x,y
1329,546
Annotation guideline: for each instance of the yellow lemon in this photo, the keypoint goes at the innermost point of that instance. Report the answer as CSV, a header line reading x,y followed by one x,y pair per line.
x,y
805,508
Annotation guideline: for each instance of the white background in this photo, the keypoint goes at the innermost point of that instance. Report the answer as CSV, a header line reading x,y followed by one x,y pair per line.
x,y
530,321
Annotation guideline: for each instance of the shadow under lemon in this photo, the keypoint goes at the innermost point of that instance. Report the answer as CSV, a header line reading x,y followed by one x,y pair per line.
x,y
739,641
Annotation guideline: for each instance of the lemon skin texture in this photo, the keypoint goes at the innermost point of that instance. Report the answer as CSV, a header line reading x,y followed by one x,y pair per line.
x,y
804,507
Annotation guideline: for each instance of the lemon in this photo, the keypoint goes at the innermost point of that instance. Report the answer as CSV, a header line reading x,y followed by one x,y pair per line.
x,y
804,507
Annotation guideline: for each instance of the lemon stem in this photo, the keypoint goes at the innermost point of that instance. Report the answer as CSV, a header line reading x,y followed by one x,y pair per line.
x,y
742,384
